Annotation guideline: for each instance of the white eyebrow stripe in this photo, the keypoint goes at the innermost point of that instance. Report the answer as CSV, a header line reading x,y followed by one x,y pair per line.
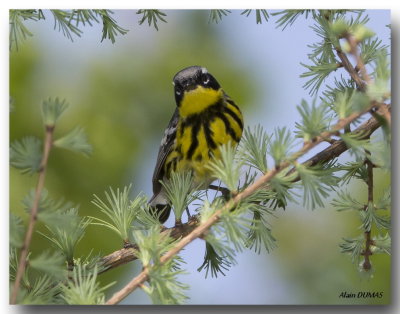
x,y
204,70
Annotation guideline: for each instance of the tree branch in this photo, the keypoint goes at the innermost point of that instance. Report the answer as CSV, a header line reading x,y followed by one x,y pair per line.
x,y
338,147
127,255
201,229
33,214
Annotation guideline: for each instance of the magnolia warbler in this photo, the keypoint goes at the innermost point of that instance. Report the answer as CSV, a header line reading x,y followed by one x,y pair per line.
x,y
205,118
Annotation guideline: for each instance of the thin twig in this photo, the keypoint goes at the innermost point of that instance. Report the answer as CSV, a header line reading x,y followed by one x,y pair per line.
x,y
365,79
33,214
260,183
360,63
353,43
353,71
365,130
368,242
350,69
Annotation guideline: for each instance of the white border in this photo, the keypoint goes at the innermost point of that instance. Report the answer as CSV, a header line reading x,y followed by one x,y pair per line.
x,y
187,4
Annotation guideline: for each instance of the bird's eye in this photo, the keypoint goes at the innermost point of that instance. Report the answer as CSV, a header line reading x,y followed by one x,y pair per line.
x,y
205,78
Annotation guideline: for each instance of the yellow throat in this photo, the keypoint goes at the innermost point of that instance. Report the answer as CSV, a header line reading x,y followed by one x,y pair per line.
x,y
199,99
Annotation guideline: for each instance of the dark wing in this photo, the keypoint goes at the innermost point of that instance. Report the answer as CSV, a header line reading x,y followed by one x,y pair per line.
x,y
166,146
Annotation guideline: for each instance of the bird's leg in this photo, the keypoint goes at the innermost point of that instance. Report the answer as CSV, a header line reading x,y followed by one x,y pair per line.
x,y
188,213
128,244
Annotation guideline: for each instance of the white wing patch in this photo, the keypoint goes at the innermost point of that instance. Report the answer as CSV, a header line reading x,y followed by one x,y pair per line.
x,y
167,133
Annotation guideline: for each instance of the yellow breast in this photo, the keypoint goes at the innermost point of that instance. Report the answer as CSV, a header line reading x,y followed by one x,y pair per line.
x,y
200,141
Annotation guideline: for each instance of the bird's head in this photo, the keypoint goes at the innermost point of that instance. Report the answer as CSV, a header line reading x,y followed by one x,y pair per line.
x,y
195,90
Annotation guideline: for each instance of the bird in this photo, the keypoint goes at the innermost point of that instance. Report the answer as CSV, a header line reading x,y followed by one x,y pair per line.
x,y
205,118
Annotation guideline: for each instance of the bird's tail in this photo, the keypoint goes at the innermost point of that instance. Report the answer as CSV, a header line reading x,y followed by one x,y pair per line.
x,y
159,208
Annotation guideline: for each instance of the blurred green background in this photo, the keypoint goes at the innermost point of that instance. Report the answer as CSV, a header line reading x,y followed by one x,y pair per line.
x,y
122,95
